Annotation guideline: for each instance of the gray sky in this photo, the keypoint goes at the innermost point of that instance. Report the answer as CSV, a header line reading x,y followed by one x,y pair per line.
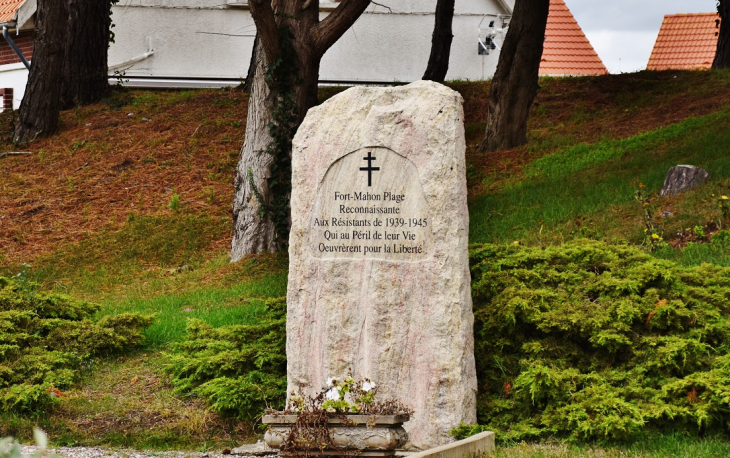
x,y
623,31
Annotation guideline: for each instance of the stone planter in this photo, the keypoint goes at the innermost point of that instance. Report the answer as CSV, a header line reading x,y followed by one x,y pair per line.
x,y
368,435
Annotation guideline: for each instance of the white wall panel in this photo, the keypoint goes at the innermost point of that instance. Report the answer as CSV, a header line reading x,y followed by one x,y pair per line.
x,y
384,45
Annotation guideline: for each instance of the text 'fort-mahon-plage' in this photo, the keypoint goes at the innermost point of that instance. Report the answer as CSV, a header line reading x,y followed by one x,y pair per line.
x,y
370,204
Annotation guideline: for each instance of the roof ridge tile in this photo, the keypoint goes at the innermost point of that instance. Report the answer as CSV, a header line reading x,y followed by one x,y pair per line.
x,y
685,42
566,50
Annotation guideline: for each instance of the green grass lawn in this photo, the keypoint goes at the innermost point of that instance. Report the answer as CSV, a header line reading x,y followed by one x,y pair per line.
x,y
656,446
160,265
241,303
589,190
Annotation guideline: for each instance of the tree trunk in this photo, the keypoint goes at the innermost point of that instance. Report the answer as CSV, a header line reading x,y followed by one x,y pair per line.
x,y
307,83
722,55
253,232
438,61
248,82
291,43
86,70
515,82
41,103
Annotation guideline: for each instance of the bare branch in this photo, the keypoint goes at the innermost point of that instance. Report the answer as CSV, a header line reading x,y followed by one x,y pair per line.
x,y
390,10
226,34
266,27
13,153
336,24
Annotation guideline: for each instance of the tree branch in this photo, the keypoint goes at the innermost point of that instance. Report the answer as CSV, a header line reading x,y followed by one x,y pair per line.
x,y
13,153
390,10
266,27
336,24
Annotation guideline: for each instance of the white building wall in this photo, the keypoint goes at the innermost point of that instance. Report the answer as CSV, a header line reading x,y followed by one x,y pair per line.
x,y
213,42
16,77
204,38
387,47
214,39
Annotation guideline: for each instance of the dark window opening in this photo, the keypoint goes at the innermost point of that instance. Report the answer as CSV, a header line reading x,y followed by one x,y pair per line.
x,y
486,46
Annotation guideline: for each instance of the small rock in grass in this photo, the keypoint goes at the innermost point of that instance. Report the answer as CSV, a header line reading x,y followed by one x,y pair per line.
x,y
682,178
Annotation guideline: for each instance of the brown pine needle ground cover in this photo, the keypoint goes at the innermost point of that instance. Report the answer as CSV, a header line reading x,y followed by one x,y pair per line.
x,y
141,152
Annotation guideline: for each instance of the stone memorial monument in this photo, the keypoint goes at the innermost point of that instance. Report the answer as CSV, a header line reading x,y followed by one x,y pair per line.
x,y
379,271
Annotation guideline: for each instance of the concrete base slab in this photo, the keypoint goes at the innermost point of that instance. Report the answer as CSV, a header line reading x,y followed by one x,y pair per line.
x,y
258,449
479,444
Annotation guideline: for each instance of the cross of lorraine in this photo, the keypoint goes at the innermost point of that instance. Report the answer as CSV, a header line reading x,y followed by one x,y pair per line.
x,y
370,169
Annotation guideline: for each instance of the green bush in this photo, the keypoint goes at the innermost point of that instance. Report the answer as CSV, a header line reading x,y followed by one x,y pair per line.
x,y
596,341
240,369
586,341
45,338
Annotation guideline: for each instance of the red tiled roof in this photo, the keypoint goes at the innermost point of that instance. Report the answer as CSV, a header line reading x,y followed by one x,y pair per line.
x,y
566,50
8,9
685,42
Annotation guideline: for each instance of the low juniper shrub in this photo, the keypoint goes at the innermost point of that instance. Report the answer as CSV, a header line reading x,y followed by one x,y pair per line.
x,y
591,341
585,341
239,369
46,338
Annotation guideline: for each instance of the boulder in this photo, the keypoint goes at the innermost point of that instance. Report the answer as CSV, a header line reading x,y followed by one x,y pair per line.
x,y
682,178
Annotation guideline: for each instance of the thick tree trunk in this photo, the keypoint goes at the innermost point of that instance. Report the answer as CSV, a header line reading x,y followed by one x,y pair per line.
x,y
248,82
438,61
515,82
307,83
291,43
253,231
86,70
41,103
253,228
722,55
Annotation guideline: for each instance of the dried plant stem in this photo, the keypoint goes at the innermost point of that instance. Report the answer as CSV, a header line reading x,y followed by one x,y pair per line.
x,y
14,153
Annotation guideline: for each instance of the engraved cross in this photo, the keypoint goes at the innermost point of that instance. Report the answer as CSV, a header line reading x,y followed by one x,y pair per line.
x,y
370,169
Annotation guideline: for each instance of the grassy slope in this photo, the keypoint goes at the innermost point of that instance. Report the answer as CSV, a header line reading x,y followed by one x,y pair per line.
x,y
593,142
129,206
593,186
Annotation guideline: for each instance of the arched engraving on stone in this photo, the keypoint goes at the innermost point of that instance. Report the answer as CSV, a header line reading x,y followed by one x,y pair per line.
x,y
370,205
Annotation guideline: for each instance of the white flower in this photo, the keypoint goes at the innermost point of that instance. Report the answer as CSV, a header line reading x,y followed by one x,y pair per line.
x,y
333,394
367,385
330,381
